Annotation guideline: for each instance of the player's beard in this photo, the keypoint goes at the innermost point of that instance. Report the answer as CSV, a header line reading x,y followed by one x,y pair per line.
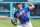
x,y
20,7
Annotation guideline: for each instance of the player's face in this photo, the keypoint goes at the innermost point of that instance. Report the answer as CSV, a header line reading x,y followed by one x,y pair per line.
x,y
19,5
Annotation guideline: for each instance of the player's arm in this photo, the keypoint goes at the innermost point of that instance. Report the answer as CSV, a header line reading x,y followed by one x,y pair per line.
x,y
15,18
14,21
31,6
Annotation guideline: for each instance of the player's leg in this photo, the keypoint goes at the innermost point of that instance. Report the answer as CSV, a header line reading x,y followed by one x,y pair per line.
x,y
28,25
20,25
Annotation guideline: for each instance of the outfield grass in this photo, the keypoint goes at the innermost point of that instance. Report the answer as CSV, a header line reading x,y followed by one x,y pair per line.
x,y
7,23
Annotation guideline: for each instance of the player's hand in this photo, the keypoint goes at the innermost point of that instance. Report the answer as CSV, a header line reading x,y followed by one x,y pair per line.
x,y
14,9
28,3
13,22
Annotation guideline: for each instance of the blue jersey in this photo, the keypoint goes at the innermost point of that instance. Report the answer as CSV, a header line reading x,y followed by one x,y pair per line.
x,y
22,15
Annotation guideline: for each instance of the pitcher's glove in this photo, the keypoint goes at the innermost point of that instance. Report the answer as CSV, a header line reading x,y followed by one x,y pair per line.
x,y
14,22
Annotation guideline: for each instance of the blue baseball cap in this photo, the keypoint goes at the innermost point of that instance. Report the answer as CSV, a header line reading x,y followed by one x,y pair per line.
x,y
19,3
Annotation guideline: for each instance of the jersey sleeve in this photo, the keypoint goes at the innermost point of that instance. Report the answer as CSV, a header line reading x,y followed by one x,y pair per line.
x,y
27,9
15,16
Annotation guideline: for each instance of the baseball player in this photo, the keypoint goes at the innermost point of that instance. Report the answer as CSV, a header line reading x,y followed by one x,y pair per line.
x,y
21,14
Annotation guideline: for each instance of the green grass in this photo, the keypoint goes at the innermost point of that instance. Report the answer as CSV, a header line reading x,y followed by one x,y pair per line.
x,y
36,23
7,23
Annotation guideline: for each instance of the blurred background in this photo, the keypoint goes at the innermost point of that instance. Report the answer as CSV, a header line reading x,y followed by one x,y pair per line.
x,y
6,13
